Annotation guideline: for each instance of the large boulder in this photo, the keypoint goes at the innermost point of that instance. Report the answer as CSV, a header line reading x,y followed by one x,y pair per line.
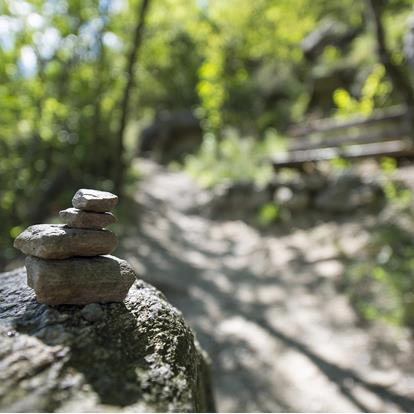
x,y
134,356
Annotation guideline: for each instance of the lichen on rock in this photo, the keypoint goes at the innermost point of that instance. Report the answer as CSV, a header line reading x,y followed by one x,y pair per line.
x,y
138,356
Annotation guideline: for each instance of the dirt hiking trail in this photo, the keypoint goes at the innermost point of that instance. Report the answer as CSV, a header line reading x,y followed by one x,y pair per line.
x,y
268,309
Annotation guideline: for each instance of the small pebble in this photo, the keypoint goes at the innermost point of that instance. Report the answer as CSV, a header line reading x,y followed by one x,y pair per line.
x,y
76,218
94,200
92,312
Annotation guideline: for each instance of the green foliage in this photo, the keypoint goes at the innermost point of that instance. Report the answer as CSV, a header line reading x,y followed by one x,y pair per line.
x,y
375,92
399,196
381,285
340,164
268,214
237,39
236,63
58,109
210,86
233,159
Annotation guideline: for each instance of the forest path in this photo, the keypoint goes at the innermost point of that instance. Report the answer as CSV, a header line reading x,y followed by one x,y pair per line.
x,y
267,309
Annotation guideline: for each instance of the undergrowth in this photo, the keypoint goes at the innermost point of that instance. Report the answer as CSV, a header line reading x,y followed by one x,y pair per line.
x,y
381,282
234,158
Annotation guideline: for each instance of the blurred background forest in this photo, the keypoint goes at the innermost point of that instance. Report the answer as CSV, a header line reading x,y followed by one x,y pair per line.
x,y
285,274
212,87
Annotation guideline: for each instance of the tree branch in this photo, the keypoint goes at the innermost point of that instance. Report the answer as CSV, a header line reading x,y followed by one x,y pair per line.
x,y
131,62
398,77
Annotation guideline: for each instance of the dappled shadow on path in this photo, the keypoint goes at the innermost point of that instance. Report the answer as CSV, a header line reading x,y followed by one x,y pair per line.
x,y
281,335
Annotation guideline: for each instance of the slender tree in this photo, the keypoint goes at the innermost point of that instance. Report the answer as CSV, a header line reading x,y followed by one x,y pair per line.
x,y
97,136
129,85
398,76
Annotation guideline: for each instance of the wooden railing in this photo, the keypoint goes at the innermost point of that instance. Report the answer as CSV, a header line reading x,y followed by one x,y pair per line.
x,y
386,132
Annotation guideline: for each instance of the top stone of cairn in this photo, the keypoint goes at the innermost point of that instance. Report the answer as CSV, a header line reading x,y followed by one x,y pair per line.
x,y
94,200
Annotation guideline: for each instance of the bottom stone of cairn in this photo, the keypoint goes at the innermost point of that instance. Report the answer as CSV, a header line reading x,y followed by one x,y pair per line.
x,y
79,280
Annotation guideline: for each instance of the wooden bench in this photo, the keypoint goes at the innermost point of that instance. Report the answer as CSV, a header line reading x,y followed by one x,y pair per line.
x,y
386,132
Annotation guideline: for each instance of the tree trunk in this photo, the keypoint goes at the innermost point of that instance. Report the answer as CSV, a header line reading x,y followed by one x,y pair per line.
x,y
131,62
97,138
399,78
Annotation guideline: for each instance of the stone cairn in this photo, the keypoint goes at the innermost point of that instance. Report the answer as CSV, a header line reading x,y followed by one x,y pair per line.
x,y
70,263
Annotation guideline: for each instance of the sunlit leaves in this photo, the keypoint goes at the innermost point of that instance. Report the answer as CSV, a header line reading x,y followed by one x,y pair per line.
x,y
380,285
375,91
232,62
233,158
210,87
268,214
239,37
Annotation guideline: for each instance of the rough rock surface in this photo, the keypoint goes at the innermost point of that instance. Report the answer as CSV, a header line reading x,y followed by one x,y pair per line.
x,y
79,280
93,312
141,357
94,200
80,219
57,241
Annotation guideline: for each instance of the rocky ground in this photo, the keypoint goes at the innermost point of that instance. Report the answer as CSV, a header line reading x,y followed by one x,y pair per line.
x,y
268,308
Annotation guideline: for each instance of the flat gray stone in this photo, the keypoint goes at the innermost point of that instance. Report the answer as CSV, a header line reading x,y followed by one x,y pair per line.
x,y
140,357
94,200
79,280
80,219
57,241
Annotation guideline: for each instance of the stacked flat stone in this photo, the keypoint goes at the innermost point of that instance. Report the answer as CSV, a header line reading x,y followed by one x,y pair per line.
x,y
71,263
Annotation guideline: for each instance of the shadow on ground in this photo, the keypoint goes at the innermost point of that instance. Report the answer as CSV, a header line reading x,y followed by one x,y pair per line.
x,y
269,310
